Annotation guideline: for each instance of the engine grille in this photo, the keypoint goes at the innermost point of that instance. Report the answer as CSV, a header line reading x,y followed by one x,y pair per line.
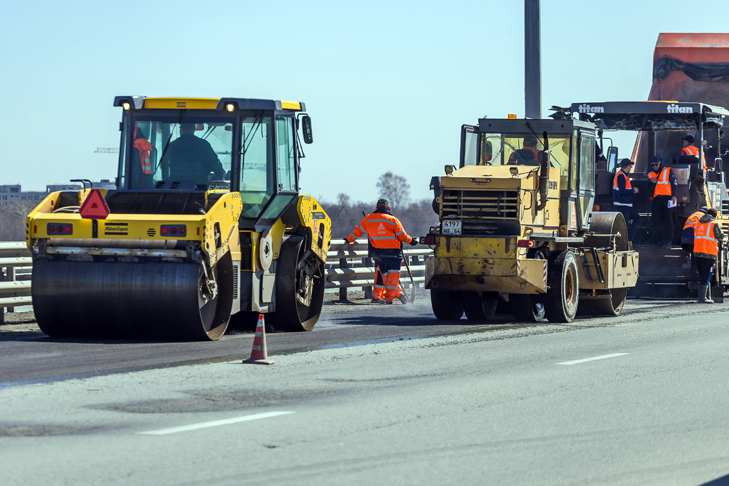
x,y
482,212
480,204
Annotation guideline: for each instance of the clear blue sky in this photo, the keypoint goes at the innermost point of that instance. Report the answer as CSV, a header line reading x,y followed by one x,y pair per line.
x,y
388,84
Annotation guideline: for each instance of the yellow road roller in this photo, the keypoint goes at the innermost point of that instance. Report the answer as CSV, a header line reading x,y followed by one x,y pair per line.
x,y
206,227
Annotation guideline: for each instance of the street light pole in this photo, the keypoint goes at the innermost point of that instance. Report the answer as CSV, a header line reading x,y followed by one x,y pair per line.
x,y
532,61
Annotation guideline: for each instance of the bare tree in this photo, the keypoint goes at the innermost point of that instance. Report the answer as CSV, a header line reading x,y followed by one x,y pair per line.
x,y
343,200
12,219
394,188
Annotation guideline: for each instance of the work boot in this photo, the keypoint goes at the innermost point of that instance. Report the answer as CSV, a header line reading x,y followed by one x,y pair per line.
x,y
708,298
403,298
377,301
701,294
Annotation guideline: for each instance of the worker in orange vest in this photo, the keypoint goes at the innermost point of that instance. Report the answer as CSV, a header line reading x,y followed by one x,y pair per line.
x,y
142,168
386,235
687,232
690,149
624,193
663,201
707,239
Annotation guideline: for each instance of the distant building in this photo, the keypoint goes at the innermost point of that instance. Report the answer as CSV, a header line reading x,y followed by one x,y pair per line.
x,y
13,193
62,187
104,184
9,188
10,193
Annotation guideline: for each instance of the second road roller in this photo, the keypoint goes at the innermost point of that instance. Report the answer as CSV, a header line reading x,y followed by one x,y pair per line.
x,y
205,227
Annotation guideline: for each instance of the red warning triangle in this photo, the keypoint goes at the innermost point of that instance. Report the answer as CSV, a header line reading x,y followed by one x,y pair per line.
x,y
94,206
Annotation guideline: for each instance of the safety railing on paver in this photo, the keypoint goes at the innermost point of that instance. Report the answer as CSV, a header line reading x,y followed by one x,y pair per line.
x,y
351,267
15,271
348,267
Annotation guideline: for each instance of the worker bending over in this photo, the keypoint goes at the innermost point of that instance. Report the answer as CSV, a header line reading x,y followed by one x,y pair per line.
x,y
707,238
687,232
623,195
663,201
386,236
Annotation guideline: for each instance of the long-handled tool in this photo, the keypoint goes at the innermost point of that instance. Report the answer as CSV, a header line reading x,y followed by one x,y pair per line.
x,y
413,289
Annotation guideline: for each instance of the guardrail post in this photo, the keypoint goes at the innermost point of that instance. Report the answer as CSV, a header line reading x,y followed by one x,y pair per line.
x,y
10,277
3,276
343,263
367,262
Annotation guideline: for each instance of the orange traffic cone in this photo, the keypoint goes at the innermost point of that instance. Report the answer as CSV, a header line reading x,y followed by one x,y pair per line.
x,y
259,352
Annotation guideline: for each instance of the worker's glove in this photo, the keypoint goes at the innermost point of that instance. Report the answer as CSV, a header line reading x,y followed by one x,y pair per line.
x,y
414,242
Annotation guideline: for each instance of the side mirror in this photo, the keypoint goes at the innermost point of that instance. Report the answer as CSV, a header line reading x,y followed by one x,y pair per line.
x,y
306,129
612,158
718,165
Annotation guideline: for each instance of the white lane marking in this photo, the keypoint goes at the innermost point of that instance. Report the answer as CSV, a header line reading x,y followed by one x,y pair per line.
x,y
594,358
214,423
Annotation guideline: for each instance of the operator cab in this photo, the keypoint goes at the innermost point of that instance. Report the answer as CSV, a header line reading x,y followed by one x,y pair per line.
x,y
171,147
522,144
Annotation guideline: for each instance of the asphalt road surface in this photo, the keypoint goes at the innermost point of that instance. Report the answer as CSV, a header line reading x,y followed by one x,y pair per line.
x,y
379,395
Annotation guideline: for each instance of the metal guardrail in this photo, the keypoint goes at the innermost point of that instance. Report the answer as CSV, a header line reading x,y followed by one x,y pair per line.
x,y
15,270
351,267
348,267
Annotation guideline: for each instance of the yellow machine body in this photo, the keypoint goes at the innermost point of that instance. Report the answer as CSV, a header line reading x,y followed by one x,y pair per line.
x,y
183,259
506,226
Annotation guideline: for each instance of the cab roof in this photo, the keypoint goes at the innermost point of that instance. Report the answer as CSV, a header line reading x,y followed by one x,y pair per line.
x,y
532,125
646,115
657,107
175,103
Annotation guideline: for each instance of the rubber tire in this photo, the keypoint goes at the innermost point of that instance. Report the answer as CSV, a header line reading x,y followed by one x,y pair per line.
x,y
527,307
563,295
473,307
480,307
447,305
291,315
611,305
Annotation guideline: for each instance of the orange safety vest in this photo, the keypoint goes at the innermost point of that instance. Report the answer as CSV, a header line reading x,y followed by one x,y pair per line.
x,y
384,231
693,220
628,185
663,182
693,151
144,149
704,241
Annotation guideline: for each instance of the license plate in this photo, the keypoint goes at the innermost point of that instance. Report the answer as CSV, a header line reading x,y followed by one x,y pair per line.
x,y
452,226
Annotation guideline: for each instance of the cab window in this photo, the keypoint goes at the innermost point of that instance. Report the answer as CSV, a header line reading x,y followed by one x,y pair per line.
x,y
482,148
285,160
490,149
174,153
256,159
587,162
